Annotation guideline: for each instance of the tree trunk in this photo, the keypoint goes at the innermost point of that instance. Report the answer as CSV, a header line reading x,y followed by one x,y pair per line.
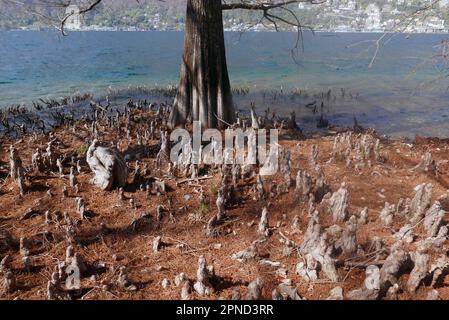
x,y
204,92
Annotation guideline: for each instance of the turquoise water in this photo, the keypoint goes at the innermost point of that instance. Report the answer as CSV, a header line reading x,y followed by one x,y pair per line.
x,y
399,95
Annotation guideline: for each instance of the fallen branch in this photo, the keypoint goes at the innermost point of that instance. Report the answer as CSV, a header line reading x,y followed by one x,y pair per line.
x,y
360,265
191,180
181,242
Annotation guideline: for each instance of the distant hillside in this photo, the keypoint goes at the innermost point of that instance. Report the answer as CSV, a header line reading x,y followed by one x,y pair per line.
x,y
110,13
340,15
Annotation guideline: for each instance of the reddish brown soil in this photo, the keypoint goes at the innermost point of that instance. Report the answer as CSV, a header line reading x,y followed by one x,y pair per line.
x,y
394,177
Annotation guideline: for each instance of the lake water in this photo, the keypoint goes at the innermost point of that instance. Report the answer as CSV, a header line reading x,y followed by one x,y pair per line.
x,y
404,93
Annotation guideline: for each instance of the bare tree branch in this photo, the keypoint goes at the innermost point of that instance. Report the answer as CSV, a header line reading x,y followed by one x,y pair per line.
x,y
400,27
269,13
264,5
90,7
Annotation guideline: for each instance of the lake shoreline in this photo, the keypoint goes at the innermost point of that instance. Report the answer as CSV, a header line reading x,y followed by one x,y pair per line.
x,y
46,113
238,31
389,97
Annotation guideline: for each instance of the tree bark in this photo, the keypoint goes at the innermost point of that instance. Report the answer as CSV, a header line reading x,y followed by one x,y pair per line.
x,y
204,92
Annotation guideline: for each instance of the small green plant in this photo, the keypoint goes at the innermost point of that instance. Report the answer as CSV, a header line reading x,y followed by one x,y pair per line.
x,y
362,151
82,150
204,208
213,188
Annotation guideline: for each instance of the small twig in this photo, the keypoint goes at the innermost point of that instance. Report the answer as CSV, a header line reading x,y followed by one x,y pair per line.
x,y
181,242
196,179
417,224
5,181
196,250
356,266
221,120
89,292
365,255
326,281
285,238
